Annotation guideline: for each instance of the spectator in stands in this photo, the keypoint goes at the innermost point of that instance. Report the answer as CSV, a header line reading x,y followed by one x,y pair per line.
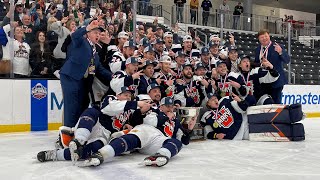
x,y
51,36
62,31
85,9
40,56
179,9
277,56
145,7
224,10
159,32
53,11
21,67
28,28
206,5
40,20
18,11
194,4
238,10
141,31
108,18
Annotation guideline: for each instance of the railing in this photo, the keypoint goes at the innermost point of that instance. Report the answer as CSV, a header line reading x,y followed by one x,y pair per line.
x,y
202,34
293,77
149,9
244,22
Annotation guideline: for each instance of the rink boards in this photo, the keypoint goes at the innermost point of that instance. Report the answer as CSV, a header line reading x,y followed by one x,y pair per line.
x,y
36,105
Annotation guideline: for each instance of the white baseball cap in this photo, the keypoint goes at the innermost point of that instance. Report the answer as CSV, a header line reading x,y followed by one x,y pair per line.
x,y
123,34
165,58
167,34
187,38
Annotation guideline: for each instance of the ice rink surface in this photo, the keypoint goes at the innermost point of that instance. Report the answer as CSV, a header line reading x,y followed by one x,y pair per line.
x,y
230,160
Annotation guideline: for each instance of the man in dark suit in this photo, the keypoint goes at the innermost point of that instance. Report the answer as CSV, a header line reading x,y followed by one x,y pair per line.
x,y
79,70
277,56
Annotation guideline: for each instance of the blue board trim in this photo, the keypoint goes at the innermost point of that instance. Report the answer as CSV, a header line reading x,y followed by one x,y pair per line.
x,y
39,105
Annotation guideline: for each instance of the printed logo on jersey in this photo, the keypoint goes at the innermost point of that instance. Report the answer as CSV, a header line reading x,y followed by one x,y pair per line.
x,y
250,86
120,120
169,128
39,91
22,52
170,91
224,118
194,94
225,89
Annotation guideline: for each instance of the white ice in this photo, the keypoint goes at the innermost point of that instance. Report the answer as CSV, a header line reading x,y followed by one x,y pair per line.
x,y
230,160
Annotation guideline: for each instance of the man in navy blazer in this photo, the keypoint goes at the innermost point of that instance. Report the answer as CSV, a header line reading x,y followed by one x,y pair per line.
x,y
277,56
78,72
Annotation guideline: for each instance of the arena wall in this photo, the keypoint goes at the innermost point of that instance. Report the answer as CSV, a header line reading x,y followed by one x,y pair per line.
x,y
36,105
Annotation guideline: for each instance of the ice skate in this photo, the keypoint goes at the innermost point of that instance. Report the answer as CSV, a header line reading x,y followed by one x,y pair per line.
x,y
50,155
75,150
94,160
157,160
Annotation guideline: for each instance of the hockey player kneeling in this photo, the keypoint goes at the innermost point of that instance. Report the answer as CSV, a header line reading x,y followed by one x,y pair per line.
x,y
226,118
161,134
234,119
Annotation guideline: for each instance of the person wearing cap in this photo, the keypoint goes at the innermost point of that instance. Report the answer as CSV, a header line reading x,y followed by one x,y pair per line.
x,y
130,77
118,60
161,135
149,54
159,32
254,78
200,70
228,83
18,11
206,60
143,43
190,92
168,40
215,39
233,59
164,77
225,118
147,78
187,45
158,48
78,72
122,38
180,59
154,91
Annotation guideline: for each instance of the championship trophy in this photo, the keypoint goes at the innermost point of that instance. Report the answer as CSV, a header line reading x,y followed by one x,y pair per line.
x,y
189,120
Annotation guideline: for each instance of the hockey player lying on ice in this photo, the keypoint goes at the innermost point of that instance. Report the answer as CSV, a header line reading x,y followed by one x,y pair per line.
x,y
232,118
161,134
94,127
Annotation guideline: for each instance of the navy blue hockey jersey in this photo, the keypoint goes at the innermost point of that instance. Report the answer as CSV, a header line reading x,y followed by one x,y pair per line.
x,y
227,119
116,113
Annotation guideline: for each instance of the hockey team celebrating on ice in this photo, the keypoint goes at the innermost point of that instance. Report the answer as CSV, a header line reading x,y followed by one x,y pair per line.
x,y
124,95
